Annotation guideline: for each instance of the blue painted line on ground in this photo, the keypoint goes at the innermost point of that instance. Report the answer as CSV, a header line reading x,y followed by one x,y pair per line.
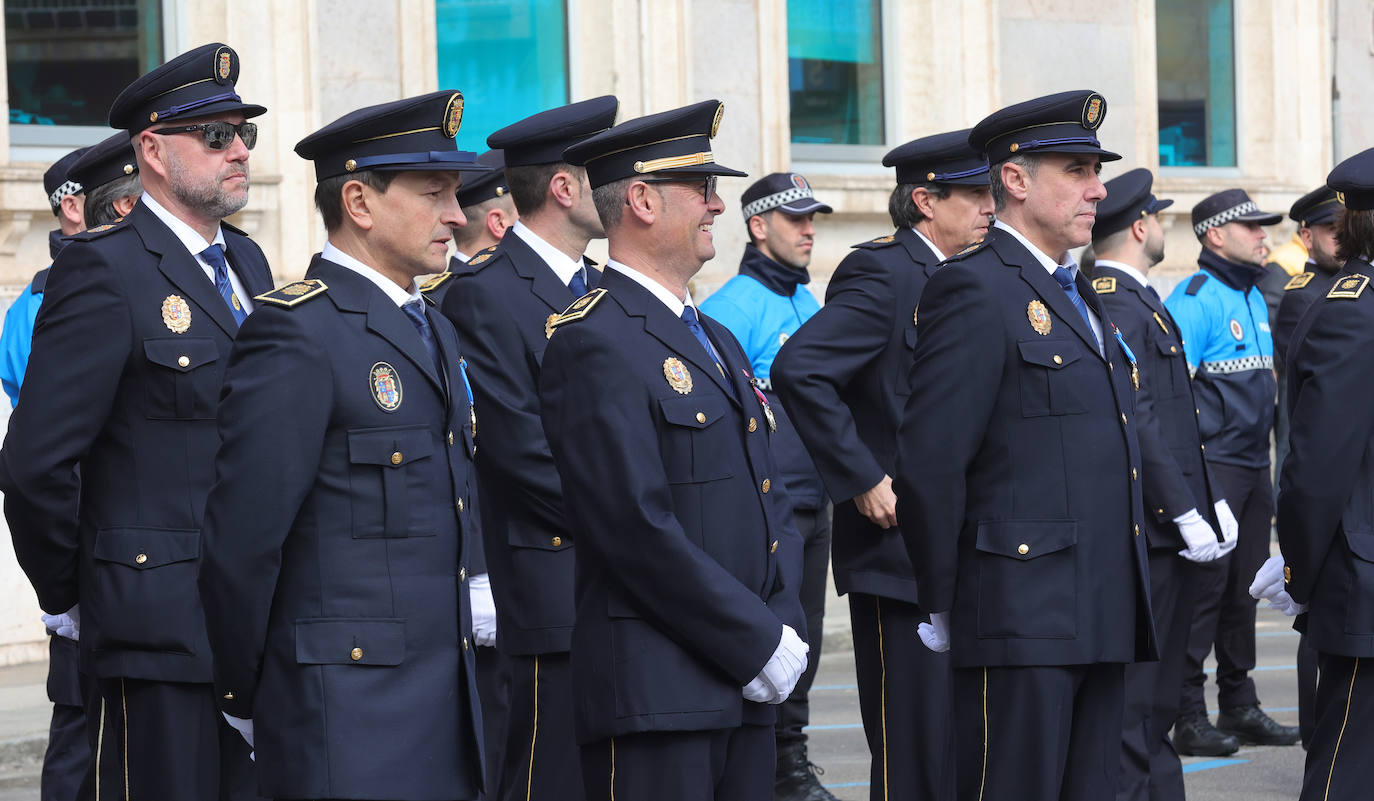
x,y
1212,763
837,726
846,784
821,688
1266,709
1260,669
1289,633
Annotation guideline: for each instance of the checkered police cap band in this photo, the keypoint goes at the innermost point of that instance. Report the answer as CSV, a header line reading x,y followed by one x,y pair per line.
x,y
67,188
1223,217
770,202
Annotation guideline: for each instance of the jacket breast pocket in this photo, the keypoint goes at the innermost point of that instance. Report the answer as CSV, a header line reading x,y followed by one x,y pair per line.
x,y
1171,375
1046,385
181,383
144,586
1027,578
697,439
388,480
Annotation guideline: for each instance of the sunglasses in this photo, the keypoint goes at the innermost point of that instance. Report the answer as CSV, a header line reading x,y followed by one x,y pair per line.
x,y
708,189
218,135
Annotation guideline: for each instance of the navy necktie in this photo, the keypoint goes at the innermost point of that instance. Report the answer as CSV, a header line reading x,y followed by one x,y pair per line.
x,y
578,284
689,316
1065,278
214,256
415,310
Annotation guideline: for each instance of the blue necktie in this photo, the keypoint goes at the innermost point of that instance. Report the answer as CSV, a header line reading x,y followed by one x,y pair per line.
x,y
415,310
578,284
214,256
1065,278
689,316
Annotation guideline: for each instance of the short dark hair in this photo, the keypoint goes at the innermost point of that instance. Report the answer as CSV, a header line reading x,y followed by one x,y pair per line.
x,y
475,213
1355,234
610,201
99,208
1112,241
999,191
329,193
529,184
902,209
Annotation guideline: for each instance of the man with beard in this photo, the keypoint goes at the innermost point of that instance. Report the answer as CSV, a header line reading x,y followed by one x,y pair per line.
x,y
763,306
845,374
501,308
105,487
1179,521
1224,323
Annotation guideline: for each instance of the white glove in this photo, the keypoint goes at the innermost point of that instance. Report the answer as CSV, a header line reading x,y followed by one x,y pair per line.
x,y
935,634
243,726
67,624
483,610
1200,537
1268,581
1230,529
759,692
1285,604
784,668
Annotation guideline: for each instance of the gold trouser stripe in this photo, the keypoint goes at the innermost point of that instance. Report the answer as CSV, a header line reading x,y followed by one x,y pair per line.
x,y
124,715
882,688
983,782
612,769
99,747
1341,735
534,736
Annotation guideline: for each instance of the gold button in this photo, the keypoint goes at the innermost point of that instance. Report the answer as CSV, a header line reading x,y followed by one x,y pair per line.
x,y
462,574
465,643
1023,549
1204,448
355,654
184,361
753,425
1173,349
1111,366
460,504
767,485
930,176
1137,529
1134,474
350,165
1197,412
1287,575
1014,147
701,417
141,558
450,437
1058,359
1123,418
396,457
557,541
774,547
1159,511
228,696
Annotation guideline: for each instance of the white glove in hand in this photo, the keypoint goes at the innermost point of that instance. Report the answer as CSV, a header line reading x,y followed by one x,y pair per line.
x,y
1202,540
1230,529
759,692
1268,581
483,610
1285,604
935,634
67,624
785,667
243,726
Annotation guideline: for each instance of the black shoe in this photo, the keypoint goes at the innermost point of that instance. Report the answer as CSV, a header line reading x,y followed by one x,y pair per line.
x,y
1251,726
796,776
1197,737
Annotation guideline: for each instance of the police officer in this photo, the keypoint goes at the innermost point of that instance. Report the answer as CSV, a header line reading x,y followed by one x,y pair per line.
x,y
1017,478
144,312
762,306
1224,323
1324,515
1179,508
334,570
845,373
501,307
688,617
487,207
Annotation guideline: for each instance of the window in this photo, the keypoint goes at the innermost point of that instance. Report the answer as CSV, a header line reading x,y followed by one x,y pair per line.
x,y
509,58
835,71
1197,83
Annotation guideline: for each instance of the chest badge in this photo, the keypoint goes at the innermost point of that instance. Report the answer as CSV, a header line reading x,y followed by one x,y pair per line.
x,y
176,314
549,325
1236,330
678,376
782,339
1039,317
763,403
1160,320
386,386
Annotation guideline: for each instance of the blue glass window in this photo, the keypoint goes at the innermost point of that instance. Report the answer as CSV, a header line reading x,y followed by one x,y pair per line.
x,y
508,58
835,71
1195,42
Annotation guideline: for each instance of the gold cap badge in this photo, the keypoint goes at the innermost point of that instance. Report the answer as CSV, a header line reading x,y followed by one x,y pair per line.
x,y
453,115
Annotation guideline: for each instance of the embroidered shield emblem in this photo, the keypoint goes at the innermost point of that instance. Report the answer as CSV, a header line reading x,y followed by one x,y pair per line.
x,y
224,64
176,314
1092,112
453,115
386,386
679,378
1039,317
1236,330
799,182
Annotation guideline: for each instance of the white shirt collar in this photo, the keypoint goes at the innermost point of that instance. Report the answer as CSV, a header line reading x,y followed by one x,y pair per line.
x,y
1045,261
658,290
397,295
192,241
461,256
1125,268
938,255
558,261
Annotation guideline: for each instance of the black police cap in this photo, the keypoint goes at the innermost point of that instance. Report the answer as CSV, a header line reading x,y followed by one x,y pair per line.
x,y
1353,181
1066,122
105,162
57,180
1128,199
945,158
485,185
782,191
676,142
1317,207
197,83
1229,205
411,134
542,138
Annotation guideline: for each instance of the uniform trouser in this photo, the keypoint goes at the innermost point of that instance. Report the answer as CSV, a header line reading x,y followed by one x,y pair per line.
x,y
1150,767
67,761
717,765
904,699
1342,745
1038,733
795,713
541,756
159,739
493,691
1224,614
1307,691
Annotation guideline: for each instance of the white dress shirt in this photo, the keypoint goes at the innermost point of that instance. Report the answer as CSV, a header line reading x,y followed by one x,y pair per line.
x,y
195,243
393,290
558,261
1050,266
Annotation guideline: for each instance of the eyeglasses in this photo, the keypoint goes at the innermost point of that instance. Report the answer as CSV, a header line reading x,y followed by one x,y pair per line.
x,y
218,135
706,191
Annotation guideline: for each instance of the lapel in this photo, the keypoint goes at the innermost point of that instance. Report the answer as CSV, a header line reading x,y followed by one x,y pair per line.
x,y
1155,305
739,372
1014,254
919,252
528,265
181,268
448,348
255,275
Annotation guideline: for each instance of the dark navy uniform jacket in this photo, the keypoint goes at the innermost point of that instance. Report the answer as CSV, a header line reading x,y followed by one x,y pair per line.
x,y
334,571
843,376
500,310
1017,472
131,403
1301,291
1174,477
1326,490
688,563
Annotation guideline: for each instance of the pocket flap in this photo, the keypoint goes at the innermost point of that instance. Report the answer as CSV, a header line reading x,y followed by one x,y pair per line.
x,y
1026,539
351,641
393,446
1361,544
692,412
1168,348
143,548
181,353
1051,353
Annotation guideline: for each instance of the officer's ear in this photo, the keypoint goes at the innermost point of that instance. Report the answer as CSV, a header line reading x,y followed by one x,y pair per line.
x,y
150,153
643,201
1305,234
1015,180
1138,230
758,229
354,202
497,220
564,188
1214,237
124,205
923,198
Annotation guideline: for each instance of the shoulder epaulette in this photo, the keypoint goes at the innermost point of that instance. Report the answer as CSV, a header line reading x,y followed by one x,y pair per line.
x,y
1105,285
97,232
580,308
481,256
294,294
1299,281
1349,287
880,242
968,251
1196,283
435,282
